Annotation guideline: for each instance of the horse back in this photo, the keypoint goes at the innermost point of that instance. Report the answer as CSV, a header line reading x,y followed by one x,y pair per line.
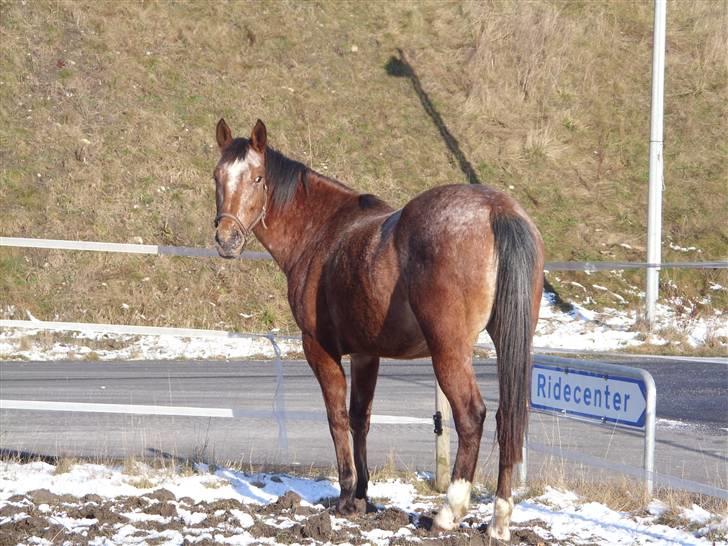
x,y
375,267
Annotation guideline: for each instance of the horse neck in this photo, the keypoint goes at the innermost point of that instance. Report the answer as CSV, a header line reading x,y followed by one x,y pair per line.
x,y
291,228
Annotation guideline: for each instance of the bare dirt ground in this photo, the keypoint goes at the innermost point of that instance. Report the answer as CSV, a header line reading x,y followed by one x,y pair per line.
x,y
152,518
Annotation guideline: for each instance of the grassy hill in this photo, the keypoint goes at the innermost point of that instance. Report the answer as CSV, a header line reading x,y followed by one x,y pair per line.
x,y
107,115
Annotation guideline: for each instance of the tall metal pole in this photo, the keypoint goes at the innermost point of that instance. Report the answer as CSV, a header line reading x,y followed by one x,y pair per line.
x,y
654,211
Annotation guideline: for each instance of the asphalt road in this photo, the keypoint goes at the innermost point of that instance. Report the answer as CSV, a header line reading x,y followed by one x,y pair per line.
x,y
692,411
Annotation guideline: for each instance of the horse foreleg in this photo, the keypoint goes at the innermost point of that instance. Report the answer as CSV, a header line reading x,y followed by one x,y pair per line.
x,y
364,370
331,378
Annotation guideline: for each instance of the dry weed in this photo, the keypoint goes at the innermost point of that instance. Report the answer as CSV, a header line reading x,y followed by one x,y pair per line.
x,y
65,464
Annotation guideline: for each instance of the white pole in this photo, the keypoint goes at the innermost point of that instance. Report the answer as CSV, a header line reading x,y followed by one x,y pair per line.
x,y
523,465
442,442
654,211
650,417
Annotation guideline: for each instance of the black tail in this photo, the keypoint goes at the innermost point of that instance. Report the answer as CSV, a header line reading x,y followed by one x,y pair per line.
x,y
510,327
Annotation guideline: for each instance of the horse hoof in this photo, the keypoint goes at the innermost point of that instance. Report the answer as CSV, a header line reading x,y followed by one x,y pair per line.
x,y
348,507
361,506
444,520
496,536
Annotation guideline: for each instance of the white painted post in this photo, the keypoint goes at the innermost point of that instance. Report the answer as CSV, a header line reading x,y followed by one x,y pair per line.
x,y
522,467
279,401
656,180
650,417
442,442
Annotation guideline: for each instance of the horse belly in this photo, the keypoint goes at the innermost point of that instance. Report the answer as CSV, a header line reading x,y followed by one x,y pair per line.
x,y
384,326
401,336
392,342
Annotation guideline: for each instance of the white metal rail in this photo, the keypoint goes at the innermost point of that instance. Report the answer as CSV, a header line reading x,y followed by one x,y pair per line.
x,y
160,250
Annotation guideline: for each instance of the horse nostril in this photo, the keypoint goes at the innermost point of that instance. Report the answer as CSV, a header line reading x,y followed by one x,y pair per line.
x,y
236,238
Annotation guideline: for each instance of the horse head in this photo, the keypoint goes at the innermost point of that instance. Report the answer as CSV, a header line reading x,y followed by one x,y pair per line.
x,y
241,190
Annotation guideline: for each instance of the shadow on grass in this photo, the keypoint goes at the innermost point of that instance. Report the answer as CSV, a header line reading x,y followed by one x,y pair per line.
x,y
399,67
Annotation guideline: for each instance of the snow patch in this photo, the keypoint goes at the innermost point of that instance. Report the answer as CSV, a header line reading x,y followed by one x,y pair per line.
x,y
697,514
565,516
577,329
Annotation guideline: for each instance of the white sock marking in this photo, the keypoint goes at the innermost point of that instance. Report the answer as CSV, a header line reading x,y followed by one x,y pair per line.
x,y
458,500
499,525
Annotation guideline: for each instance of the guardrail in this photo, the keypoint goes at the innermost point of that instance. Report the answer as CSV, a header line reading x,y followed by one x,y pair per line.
x,y
158,250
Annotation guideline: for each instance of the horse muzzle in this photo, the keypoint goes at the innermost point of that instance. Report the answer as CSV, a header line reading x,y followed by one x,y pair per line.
x,y
231,246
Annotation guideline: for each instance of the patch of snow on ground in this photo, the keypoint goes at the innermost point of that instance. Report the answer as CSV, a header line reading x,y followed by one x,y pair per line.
x,y
679,248
671,424
570,518
612,329
697,514
19,344
656,507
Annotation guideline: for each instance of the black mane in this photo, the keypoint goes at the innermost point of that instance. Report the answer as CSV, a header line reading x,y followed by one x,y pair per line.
x,y
281,173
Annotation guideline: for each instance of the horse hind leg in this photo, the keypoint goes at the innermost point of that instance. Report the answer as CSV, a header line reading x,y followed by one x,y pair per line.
x,y
364,370
499,527
512,325
454,372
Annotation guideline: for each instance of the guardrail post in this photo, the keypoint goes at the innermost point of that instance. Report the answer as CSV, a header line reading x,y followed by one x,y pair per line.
x,y
442,441
523,465
650,415
279,400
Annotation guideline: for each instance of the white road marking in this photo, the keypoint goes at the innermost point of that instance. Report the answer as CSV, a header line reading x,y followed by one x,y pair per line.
x,y
140,409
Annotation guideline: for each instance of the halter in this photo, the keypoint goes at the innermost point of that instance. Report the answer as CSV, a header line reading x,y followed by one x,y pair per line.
x,y
260,219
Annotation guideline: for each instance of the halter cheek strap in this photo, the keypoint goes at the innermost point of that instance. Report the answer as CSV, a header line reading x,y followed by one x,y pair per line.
x,y
260,219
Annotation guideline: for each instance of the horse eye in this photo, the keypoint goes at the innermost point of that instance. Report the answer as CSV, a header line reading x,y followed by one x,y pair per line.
x,y
258,179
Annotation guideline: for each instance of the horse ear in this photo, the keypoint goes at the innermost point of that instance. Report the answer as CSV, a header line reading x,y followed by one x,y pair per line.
x,y
223,133
259,136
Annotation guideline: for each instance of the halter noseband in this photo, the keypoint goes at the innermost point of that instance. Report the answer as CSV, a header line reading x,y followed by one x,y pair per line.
x,y
258,219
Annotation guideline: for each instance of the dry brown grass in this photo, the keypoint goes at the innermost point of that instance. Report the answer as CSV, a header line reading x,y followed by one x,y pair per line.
x,y
107,113
65,464
621,493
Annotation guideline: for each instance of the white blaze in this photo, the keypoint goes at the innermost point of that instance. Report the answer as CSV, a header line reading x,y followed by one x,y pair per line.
x,y
241,166
234,171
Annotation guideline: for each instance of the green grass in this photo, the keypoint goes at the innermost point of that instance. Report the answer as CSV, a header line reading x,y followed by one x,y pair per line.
x,y
114,106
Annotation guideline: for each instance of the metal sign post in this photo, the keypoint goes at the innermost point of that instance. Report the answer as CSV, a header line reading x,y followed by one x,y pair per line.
x,y
598,393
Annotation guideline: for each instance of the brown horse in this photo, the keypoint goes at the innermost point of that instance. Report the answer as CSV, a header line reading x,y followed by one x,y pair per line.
x,y
369,281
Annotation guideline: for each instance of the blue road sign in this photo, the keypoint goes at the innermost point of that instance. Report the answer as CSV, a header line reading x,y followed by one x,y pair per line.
x,y
593,395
